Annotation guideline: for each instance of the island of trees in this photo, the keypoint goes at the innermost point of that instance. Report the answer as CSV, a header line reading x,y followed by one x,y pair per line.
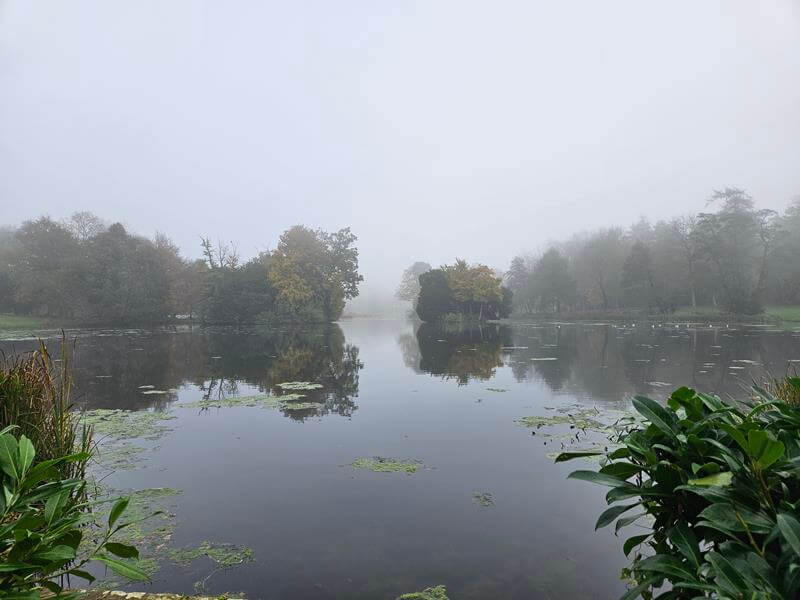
x,y
455,292
86,271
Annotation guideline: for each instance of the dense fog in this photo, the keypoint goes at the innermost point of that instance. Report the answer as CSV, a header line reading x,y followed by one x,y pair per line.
x,y
434,131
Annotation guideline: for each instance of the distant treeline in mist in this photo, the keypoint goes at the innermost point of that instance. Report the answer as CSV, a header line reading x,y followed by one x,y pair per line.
x,y
736,257
88,271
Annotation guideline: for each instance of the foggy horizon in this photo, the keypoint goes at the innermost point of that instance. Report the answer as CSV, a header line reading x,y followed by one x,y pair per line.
x,y
433,131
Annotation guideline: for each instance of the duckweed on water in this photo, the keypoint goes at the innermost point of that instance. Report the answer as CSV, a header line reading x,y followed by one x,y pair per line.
x,y
379,464
432,593
495,390
484,499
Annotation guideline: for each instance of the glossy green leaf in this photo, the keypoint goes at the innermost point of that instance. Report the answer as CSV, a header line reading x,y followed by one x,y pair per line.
x,y
116,511
726,574
82,574
595,477
125,569
669,565
686,541
57,553
9,454
612,513
763,448
565,456
789,527
623,470
634,541
656,414
26,454
122,550
717,479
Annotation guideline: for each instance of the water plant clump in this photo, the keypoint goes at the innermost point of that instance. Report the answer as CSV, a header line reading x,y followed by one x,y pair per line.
x,y
117,425
292,401
224,556
299,385
491,389
438,592
380,464
483,499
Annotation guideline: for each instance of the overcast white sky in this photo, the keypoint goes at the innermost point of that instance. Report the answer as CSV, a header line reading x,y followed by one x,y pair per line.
x,y
434,129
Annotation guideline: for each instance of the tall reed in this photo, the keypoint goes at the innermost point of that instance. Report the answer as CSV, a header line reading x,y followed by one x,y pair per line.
x,y
786,390
36,397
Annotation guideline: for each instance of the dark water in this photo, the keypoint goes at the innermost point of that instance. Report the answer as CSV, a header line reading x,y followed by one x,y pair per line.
x,y
278,481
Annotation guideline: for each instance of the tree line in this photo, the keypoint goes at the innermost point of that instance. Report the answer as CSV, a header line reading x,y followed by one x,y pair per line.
x,y
86,270
736,257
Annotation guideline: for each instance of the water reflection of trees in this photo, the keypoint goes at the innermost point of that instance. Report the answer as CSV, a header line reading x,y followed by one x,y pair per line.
x,y
611,362
111,367
461,352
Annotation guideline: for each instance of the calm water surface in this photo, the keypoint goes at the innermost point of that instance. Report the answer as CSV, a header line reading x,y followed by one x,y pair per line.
x,y
278,481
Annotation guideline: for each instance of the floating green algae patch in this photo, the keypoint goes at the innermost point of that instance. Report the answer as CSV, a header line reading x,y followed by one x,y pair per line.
x,y
580,417
484,499
282,402
119,457
224,555
379,464
127,424
438,592
299,385
495,390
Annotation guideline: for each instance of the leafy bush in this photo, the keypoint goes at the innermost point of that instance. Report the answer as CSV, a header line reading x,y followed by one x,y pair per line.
x,y
719,486
43,524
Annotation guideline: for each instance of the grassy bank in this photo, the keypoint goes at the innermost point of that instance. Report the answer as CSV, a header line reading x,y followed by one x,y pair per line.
x,y
14,322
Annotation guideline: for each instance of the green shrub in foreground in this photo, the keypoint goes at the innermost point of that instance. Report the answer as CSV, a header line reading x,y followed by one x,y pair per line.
x,y
43,522
717,488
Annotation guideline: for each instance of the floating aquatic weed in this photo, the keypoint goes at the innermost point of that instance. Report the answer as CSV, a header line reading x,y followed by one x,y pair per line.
x,y
224,556
116,457
282,402
127,424
438,592
484,499
495,390
380,464
299,385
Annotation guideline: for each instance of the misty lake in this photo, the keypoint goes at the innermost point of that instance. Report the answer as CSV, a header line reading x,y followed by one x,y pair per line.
x,y
257,479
